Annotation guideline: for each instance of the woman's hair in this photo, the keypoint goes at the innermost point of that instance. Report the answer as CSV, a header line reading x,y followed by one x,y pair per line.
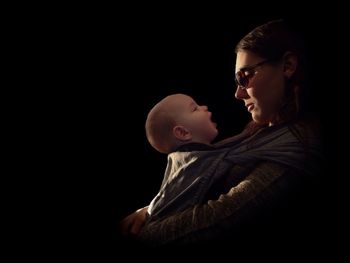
x,y
271,41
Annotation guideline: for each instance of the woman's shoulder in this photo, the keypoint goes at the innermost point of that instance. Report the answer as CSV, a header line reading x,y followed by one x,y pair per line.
x,y
307,131
309,124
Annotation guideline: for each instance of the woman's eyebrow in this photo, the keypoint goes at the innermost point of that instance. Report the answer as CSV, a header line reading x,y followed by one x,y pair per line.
x,y
246,67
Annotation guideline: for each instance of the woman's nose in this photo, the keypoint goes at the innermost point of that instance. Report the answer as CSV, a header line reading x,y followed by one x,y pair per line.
x,y
241,93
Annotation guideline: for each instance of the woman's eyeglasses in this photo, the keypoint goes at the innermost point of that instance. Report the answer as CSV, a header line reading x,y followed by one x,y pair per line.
x,y
245,74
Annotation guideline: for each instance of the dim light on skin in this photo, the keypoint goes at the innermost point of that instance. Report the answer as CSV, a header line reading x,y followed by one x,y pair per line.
x,y
196,119
178,119
264,84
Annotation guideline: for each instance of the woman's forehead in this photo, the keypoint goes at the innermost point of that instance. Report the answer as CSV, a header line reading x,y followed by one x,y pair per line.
x,y
245,59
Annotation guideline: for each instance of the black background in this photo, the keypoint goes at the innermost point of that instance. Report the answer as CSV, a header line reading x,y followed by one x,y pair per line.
x,y
111,71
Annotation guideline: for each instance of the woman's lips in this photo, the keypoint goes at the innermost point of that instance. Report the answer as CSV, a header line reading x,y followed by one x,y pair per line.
x,y
250,107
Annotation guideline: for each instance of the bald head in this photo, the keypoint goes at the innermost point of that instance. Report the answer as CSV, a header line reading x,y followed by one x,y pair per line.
x,y
161,120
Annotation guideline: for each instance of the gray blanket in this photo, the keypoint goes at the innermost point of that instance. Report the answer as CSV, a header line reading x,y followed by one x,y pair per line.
x,y
190,174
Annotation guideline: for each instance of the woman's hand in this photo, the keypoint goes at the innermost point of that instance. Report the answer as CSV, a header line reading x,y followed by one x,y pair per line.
x,y
133,223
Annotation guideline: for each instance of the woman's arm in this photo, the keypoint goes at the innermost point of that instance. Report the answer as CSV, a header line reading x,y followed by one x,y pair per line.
x,y
266,183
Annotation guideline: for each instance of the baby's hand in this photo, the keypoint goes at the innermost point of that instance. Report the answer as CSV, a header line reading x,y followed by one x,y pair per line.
x,y
133,223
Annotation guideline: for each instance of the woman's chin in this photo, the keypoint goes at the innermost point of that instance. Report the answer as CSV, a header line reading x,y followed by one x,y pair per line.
x,y
257,118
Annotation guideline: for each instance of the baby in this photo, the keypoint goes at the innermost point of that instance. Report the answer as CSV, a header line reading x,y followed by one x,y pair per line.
x,y
178,126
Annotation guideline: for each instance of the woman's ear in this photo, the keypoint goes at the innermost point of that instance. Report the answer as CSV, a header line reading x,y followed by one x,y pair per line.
x,y
290,63
181,133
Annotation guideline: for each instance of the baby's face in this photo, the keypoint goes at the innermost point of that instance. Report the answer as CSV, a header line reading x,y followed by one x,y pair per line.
x,y
195,118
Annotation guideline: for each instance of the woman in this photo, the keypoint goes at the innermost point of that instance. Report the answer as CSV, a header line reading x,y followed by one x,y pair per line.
x,y
280,149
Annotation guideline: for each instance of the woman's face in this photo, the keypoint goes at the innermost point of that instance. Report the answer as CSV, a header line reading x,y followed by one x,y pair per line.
x,y
263,92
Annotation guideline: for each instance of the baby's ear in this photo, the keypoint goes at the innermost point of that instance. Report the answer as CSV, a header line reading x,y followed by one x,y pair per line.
x,y
181,133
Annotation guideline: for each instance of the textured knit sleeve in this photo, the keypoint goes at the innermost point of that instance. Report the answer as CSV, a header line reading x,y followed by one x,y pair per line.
x,y
266,182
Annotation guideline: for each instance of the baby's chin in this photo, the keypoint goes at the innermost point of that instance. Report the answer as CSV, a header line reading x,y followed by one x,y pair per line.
x,y
214,135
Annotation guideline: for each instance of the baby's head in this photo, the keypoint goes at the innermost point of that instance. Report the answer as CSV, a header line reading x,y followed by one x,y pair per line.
x,y
176,120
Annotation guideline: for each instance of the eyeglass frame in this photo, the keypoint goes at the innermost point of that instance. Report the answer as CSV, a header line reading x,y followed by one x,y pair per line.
x,y
250,68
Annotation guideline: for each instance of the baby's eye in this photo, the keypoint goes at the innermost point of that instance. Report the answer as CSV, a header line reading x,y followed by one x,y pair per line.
x,y
195,108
